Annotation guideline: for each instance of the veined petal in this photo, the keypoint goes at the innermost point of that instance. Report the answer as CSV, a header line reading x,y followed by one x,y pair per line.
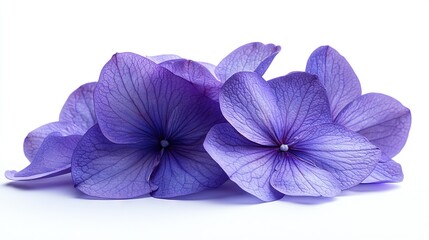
x,y
104,169
381,119
302,103
53,158
246,163
336,75
135,98
386,170
35,138
252,57
185,170
249,104
79,107
296,177
163,58
347,155
197,74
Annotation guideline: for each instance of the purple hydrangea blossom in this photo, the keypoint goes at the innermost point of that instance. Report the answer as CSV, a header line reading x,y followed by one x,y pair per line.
x,y
280,139
49,148
149,136
380,118
208,78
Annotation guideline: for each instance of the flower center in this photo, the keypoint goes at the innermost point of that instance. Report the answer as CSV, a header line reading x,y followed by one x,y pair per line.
x,y
164,143
284,147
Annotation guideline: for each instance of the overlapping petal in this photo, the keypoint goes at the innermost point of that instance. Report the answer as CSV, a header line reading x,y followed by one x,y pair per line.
x,y
197,74
186,170
336,75
252,57
296,177
101,168
135,98
249,104
163,58
52,158
381,119
79,107
302,103
347,155
248,164
386,170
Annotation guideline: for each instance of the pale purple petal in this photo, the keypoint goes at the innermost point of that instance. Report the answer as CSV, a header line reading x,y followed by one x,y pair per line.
x,y
252,57
249,104
104,169
35,138
302,103
381,119
53,158
135,97
386,170
336,75
347,155
79,107
163,58
248,164
210,67
197,74
186,170
296,177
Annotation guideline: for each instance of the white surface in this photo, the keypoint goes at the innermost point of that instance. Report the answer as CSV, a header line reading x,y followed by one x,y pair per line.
x,y
48,48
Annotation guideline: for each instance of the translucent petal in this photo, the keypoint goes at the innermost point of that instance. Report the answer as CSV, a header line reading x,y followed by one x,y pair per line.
x,y
381,119
295,177
336,75
104,169
347,155
248,164
249,104
53,158
185,170
252,57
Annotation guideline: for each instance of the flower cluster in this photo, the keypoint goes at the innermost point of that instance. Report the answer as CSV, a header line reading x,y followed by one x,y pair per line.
x,y
168,126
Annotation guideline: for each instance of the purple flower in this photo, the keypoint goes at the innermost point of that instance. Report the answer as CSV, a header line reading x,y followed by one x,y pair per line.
x,y
280,139
381,119
149,137
50,147
252,57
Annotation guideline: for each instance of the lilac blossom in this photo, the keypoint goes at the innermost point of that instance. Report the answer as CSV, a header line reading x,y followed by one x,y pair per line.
x,y
49,148
149,136
208,78
381,119
280,139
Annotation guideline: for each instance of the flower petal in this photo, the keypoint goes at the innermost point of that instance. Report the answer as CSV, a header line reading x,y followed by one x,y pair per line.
x,y
135,97
186,170
246,163
386,170
249,104
336,75
302,103
252,57
79,107
381,119
295,177
35,138
53,158
197,74
104,169
347,155
163,58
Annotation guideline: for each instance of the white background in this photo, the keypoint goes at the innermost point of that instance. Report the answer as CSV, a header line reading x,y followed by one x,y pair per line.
x,y
49,48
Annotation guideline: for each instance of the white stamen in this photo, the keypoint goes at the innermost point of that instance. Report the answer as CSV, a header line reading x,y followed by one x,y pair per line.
x,y
164,143
284,147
